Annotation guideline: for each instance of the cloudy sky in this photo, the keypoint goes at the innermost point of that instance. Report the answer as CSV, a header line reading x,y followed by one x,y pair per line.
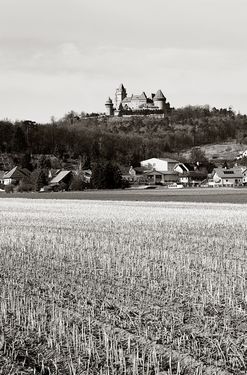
x,y
58,55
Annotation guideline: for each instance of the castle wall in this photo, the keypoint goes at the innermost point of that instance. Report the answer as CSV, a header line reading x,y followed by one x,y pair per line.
x,y
118,99
160,104
137,103
109,110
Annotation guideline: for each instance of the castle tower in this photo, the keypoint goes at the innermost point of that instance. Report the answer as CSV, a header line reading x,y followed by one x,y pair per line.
x,y
160,100
109,107
120,95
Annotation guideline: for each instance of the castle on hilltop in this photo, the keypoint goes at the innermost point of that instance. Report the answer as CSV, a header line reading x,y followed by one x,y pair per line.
x,y
136,104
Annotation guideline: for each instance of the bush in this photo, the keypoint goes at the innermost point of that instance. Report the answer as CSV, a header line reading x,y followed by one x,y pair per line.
x,y
25,187
63,186
39,179
9,188
77,184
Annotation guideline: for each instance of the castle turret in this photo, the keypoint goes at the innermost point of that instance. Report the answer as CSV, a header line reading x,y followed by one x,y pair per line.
x,y
160,100
120,95
109,107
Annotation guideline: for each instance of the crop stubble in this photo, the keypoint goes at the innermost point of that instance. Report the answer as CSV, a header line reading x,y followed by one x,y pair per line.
x,y
91,287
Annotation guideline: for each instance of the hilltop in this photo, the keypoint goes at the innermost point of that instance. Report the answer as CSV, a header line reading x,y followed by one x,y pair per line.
x,y
131,139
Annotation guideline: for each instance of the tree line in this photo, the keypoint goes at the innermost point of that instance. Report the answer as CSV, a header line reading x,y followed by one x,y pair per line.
x,y
125,141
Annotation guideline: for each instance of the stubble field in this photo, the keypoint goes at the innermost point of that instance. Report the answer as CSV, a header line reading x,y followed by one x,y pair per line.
x,y
90,287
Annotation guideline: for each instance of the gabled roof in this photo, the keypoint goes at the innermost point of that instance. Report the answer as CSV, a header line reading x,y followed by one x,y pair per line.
x,y
121,87
127,99
59,177
157,173
229,172
141,170
10,173
186,167
143,96
17,172
53,172
168,160
189,166
159,95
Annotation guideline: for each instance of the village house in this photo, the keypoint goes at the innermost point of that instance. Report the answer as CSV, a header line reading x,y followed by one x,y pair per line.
x,y
134,175
190,174
15,175
160,164
193,178
63,178
154,171
161,177
228,177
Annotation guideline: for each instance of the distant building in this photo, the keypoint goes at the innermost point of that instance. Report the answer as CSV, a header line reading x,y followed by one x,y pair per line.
x,y
228,177
190,174
62,177
161,177
160,164
193,178
109,107
15,175
136,104
184,167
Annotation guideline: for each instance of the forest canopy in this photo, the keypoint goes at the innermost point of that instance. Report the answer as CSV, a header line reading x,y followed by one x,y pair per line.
x,y
123,140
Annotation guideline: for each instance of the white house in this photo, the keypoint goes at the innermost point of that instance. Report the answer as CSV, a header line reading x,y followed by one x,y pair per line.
x,y
227,177
15,175
160,164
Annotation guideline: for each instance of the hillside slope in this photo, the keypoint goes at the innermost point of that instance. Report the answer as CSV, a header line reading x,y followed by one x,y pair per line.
x,y
220,151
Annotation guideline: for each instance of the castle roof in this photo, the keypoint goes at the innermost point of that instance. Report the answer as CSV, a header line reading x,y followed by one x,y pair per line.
x,y
159,95
143,96
121,87
109,101
127,99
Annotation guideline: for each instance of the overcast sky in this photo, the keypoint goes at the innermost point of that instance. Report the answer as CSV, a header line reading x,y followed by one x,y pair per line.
x,y
59,55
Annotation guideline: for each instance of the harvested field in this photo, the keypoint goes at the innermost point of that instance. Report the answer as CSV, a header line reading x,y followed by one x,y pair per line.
x,y
204,195
92,287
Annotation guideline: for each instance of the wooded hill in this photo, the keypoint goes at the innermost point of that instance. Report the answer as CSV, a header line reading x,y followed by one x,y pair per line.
x,y
123,140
